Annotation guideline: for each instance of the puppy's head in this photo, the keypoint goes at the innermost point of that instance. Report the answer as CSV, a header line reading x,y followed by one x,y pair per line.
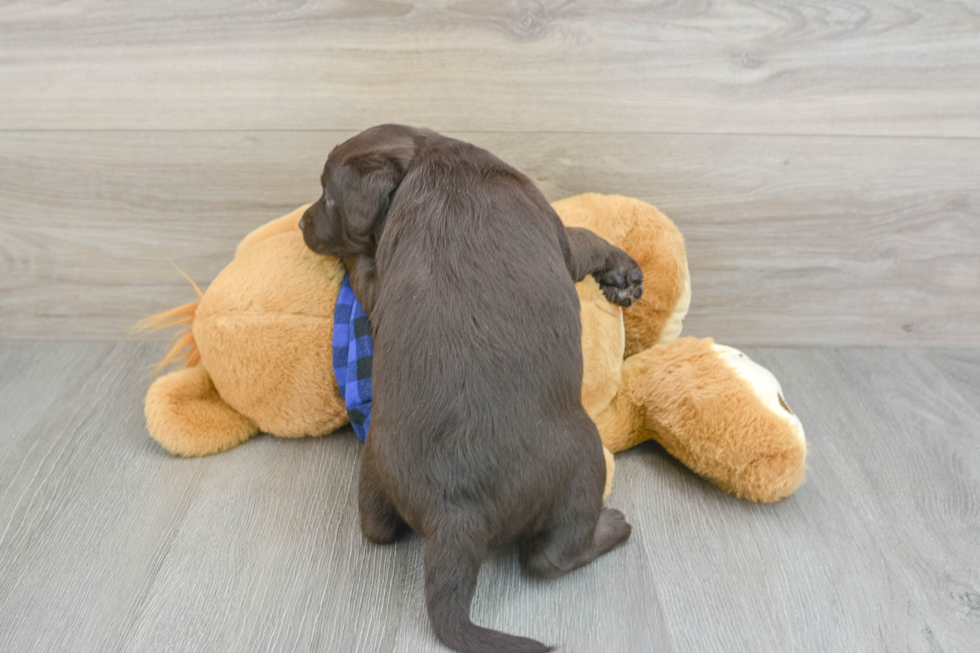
x,y
359,180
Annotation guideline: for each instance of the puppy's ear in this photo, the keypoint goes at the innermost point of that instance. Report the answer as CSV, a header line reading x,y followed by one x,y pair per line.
x,y
369,180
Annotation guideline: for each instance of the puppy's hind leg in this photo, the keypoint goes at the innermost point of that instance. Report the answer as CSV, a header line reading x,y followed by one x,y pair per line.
x,y
380,522
580,531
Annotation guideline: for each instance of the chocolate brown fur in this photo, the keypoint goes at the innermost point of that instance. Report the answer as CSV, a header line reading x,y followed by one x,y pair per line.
x,y
478,436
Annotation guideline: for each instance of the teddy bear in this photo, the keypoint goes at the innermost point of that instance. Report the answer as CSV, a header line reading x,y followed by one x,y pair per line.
x,y
257,357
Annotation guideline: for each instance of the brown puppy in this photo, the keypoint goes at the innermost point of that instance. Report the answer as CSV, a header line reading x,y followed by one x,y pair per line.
x,y
478,436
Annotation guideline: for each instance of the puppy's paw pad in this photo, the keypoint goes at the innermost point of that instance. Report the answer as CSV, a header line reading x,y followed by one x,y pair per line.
x,y
622,281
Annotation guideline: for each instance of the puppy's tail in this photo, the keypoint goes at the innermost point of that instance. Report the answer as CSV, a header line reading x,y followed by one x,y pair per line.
x,y
452,562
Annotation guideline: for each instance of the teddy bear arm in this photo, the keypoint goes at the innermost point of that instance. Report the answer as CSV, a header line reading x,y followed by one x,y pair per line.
x,y
703,411
621,423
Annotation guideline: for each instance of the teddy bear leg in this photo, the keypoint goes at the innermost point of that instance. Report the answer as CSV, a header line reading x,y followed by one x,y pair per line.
x,y
187,416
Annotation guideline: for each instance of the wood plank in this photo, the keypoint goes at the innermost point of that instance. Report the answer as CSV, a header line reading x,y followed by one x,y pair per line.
x,y
904,446
961,372
32,383
876,551
791,240
107,543
872,67
87,502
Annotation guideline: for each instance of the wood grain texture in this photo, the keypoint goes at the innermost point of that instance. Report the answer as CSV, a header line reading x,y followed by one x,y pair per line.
x,y
108,543
791,240
871,67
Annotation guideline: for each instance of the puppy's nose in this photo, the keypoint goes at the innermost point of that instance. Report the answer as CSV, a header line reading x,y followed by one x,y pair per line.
x,y
301,222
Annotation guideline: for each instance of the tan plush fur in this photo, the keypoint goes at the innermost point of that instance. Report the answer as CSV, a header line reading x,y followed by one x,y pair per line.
x,y
264,329
186,415
603,341
684,396
259,356
262,332
654,241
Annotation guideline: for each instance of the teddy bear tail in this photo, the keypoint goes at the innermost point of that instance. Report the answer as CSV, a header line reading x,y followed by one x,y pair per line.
x,y
183,348
187,416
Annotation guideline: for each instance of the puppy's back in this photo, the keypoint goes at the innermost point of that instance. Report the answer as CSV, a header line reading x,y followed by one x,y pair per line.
x,y
477,426
477,327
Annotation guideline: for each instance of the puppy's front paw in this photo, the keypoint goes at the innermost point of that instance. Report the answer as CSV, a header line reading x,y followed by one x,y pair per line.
x,y
622,280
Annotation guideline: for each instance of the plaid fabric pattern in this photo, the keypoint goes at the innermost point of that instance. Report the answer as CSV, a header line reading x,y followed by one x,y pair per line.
x,y
353,352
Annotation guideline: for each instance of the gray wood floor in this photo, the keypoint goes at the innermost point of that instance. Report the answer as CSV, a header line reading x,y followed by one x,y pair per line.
x,y
108,543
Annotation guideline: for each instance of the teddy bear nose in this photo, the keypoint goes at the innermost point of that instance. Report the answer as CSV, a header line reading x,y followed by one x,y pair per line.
x,y
301,221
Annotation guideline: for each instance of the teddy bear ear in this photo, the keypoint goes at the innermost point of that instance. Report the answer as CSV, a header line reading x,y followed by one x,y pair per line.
x,y
287,224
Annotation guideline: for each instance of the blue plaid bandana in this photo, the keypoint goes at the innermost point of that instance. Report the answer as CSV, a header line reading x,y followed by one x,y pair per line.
x,y
353,353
